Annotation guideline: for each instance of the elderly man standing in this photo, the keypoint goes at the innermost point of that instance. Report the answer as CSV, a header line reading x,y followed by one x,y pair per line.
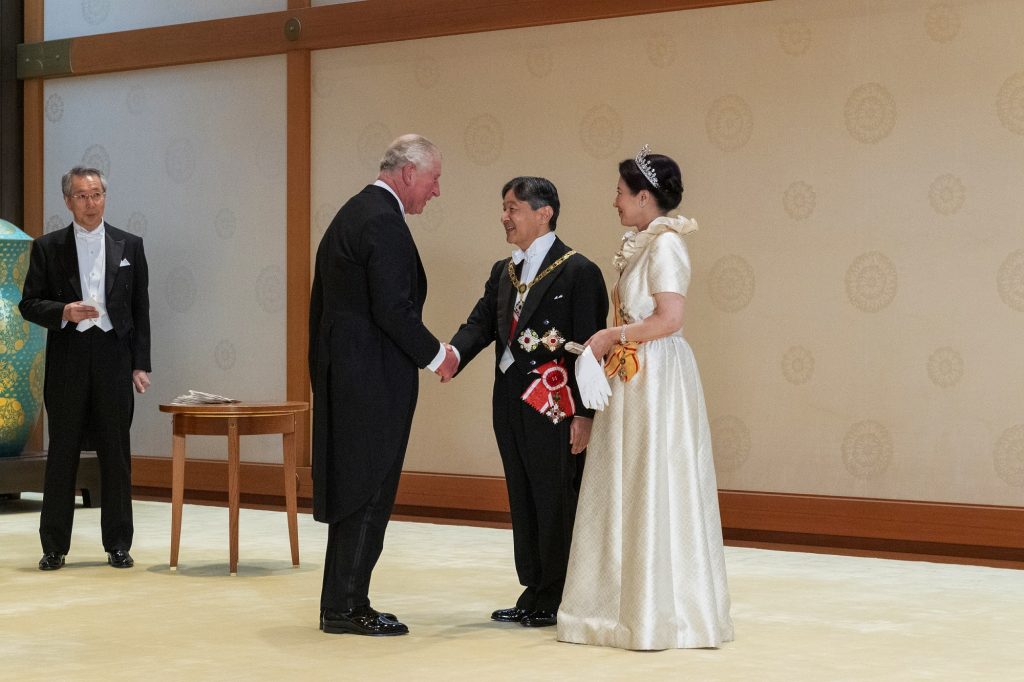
x,y
366,343
88,285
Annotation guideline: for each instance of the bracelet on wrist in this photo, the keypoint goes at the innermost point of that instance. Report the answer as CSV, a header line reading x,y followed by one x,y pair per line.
x,y
622,335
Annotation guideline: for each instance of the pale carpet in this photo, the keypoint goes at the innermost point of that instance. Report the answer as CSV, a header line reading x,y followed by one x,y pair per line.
x,y
798,616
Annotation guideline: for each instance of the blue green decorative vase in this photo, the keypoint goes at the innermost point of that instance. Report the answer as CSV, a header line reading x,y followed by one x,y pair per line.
x,y
21,347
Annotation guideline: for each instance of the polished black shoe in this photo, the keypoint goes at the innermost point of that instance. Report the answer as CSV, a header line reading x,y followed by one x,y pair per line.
x,y
512,615
120,558
361,621
539,619
51,561
388,616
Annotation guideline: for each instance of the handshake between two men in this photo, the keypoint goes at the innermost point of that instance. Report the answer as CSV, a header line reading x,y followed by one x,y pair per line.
x,y
535,302
450,365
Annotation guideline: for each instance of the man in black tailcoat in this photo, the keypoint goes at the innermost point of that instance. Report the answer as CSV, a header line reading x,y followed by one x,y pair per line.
x,y
533,304
88,285
367,343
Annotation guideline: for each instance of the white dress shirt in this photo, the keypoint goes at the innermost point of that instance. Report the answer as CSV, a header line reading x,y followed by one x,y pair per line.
x,y
92,269
534,256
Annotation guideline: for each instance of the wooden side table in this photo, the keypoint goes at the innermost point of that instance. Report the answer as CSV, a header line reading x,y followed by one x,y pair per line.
x,y
234,420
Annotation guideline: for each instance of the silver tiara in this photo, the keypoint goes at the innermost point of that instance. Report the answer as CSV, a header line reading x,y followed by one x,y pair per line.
x,y
644,165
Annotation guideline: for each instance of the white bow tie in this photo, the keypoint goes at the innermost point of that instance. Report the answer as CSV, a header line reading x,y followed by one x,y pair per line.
x,y
518,256
89,236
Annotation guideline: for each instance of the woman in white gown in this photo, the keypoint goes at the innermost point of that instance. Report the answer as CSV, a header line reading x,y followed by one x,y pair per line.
x,y
647,567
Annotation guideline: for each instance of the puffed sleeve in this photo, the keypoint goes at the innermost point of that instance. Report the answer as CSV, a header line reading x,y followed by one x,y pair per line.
x,y
669,264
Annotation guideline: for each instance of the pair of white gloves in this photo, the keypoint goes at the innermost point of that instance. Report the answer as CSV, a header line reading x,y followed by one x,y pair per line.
x,y
592,382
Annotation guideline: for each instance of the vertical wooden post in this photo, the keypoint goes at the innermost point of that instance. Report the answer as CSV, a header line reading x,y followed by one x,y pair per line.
x,y
33,121
298,234
33,178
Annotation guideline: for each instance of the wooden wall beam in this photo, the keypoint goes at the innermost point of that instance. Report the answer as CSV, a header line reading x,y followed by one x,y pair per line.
x,y
299,199
343,25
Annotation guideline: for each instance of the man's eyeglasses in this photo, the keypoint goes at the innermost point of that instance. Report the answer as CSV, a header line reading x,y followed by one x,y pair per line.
x,y
94,197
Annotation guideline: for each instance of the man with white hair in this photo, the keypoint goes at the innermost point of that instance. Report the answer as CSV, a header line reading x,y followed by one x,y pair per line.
x,y
367,342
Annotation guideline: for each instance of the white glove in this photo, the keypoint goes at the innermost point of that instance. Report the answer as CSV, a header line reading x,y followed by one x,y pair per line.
x,y
592,382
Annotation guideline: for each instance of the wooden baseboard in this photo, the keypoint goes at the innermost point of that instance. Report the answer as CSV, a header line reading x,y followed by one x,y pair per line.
x,y
896,528
886,528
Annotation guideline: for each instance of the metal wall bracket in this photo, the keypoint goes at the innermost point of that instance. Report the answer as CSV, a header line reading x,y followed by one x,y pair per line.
x,y
292,29
45,59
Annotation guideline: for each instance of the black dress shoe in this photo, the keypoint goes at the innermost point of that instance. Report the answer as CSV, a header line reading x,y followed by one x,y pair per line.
x,y
361,621
51,561
120,558
512,615
539,619
388,616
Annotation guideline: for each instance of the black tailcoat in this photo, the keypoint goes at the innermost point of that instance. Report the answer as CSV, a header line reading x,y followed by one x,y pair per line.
x,y
367,343
572,299
88,381
53,281
540,472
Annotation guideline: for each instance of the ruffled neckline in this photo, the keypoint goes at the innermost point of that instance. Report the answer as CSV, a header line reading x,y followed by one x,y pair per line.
x,y
634,242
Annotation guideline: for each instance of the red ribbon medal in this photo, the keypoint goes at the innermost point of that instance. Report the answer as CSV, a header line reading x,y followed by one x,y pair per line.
x,y
550,394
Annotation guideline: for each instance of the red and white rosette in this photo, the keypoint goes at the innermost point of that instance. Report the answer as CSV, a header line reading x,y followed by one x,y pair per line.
x,y
549,394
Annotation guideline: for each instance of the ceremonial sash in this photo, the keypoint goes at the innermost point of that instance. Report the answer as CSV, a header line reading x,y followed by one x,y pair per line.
x,y
622,360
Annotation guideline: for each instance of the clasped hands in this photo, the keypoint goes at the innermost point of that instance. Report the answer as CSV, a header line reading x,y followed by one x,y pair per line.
x,y
449,366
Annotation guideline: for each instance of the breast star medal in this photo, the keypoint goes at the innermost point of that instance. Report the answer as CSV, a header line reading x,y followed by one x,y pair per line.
x,y
552,340
529,340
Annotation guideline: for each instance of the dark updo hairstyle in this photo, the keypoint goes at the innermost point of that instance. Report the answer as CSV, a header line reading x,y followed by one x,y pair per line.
x,y
669,191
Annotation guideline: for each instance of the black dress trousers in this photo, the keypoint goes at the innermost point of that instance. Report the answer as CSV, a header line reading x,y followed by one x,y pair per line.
x,y
541,475
88,397
354,545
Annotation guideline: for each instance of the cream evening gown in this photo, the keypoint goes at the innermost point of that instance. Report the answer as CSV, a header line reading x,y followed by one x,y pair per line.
x,y
647,567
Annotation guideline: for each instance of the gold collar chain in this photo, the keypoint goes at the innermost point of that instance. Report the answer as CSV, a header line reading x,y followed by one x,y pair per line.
x,y
523,288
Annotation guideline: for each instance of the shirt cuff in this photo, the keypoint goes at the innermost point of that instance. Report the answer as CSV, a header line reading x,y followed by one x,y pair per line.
x,y
438,359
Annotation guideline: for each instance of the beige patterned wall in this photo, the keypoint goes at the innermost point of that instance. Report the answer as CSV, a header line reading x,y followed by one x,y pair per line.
x,y
857,306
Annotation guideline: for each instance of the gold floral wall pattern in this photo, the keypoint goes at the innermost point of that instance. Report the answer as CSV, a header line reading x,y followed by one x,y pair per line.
x,y
857,293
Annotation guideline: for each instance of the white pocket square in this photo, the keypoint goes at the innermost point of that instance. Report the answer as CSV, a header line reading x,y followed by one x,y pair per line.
x,y
558,297
124,263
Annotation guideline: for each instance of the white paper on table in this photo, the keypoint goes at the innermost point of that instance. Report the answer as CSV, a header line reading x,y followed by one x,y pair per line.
x,y
194,397
592,382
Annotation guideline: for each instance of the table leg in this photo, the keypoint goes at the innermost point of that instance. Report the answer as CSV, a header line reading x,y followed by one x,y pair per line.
x,y
177,490
291,505
233,462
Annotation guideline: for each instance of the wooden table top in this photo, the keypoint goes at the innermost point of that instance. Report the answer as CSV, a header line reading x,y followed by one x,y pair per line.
x,y
240,409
